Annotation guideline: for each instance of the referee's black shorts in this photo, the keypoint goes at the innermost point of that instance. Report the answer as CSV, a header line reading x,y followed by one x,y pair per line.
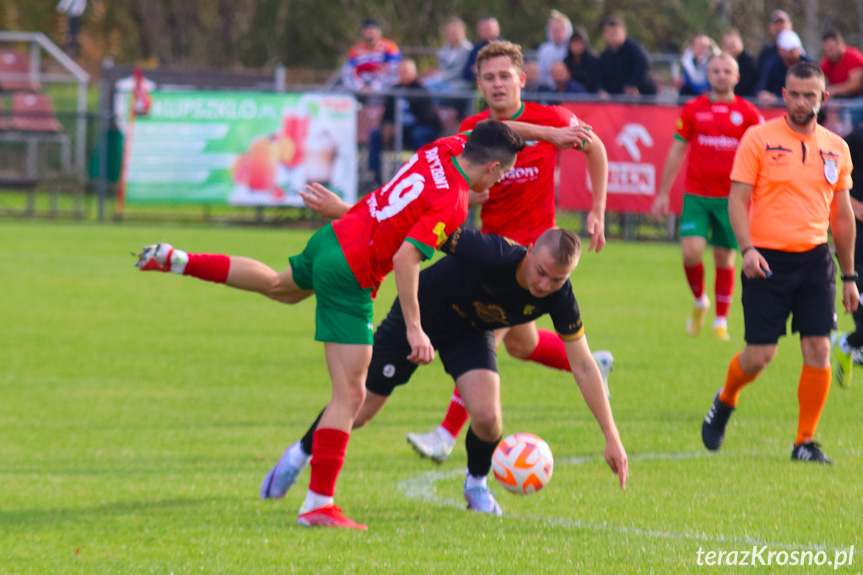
x,y
460,351
803,285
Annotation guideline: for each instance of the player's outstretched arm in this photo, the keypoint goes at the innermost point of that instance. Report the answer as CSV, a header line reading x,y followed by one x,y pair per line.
x,y
406,266
563,138
589,381
323,201
597,167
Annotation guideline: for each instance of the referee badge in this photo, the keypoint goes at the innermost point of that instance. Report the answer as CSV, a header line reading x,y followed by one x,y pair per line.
x,y
831,171
831,166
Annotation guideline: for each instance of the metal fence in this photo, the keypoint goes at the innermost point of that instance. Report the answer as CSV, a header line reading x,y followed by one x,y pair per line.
x,y
88,189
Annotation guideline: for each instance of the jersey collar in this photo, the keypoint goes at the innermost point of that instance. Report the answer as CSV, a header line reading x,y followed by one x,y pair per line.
x,y
519,113
460,171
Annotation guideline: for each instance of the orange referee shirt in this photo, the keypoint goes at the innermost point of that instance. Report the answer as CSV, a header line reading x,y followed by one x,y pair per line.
x,y
794,178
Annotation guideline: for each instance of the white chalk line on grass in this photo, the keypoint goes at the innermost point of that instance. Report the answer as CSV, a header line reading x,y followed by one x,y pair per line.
x,y
421,488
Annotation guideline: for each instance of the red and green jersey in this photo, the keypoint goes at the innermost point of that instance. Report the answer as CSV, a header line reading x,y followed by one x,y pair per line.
x,y
521,205
713,131
423,203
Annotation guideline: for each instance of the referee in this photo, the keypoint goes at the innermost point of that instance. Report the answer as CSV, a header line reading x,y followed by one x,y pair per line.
x,y
789,183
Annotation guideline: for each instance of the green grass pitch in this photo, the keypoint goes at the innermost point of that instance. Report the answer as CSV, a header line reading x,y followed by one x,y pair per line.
x,y
139,413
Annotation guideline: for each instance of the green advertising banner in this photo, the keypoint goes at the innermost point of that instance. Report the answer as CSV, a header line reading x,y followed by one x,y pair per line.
x,y
241,148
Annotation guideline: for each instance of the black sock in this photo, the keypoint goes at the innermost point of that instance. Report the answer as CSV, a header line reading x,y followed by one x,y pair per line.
x,y
479,453
306,441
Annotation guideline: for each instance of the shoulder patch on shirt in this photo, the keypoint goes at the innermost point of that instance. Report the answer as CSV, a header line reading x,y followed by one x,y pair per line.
x,y
440,232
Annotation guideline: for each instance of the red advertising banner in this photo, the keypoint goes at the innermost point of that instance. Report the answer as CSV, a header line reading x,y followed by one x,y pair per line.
x,y
637,139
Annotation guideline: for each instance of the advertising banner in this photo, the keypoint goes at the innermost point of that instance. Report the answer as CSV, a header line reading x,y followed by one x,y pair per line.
x,y
241,148
637,139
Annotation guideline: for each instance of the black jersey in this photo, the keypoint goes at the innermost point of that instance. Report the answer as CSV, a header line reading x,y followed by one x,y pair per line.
x,y
475,287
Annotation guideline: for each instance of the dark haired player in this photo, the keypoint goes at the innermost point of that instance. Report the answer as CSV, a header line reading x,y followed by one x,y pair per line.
x,y
499,284
393,228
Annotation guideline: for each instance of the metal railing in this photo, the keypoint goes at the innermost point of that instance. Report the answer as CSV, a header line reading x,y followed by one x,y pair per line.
x,y
39,44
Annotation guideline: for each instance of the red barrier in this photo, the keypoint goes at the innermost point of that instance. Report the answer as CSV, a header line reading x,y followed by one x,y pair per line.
x,y
637,139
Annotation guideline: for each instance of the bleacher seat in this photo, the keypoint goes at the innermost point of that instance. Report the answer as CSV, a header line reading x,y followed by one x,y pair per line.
x,y
33,112
15,73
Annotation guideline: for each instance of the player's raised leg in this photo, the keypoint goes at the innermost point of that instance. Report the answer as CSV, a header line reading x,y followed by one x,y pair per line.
x,y
234,271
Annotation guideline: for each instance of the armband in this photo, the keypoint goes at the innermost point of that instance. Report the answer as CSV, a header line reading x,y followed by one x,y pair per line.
x,y
849,278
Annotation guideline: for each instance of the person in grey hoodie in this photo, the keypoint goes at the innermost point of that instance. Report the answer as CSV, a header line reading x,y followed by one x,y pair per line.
x,y
554,50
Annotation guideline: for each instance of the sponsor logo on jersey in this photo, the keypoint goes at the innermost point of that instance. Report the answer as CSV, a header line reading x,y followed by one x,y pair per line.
x,y
529,309
721,142
521,174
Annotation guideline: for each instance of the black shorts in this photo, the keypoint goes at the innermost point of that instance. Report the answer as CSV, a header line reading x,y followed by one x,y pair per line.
x,y
460,352
803,285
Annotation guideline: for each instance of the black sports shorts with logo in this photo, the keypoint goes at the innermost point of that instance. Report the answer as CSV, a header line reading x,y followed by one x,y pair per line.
x,y
460,351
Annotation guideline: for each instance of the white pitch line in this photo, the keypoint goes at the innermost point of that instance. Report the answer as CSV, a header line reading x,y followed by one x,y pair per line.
x,y
422,488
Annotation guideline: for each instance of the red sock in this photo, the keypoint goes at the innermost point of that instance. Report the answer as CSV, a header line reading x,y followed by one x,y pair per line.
x,y
724,288
550,351
208,267
328,456
456,415
695,278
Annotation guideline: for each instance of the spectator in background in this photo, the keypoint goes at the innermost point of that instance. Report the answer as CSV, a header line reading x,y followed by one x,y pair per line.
x,y
73,10
372,62
773,78
842,66
733,44
451,59
694,62
487,29
531,76
563,83
779,21
558,32
420,121
582,62
623,64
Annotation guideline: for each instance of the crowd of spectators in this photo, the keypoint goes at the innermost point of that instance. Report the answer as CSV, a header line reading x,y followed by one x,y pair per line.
x,y
566,63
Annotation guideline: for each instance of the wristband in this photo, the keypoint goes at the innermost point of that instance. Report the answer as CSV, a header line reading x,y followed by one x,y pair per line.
x,y
849,278
744,250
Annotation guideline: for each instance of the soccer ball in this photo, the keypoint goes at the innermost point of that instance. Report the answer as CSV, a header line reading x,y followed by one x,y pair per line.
x,y
522,463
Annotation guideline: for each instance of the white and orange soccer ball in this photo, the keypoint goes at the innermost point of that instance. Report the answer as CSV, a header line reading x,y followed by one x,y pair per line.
x,y
522,463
